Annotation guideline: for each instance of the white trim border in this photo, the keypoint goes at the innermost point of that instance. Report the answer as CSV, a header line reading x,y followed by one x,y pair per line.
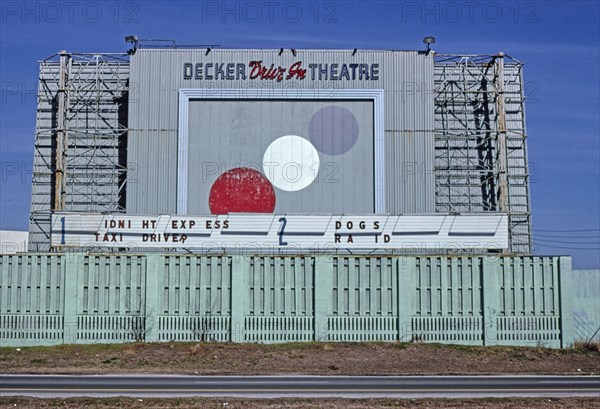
x,y
188,94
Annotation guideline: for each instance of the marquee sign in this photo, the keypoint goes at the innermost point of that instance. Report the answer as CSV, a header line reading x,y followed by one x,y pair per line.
x,y
271,232
265,71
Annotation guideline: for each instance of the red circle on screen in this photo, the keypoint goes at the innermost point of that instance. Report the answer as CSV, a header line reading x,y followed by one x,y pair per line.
x,y
241,190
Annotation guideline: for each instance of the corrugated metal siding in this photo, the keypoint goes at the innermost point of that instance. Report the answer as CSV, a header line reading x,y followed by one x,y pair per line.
x,y
157,76
409,132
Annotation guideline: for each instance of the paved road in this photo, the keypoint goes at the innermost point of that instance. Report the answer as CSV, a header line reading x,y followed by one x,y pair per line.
x,y
299,386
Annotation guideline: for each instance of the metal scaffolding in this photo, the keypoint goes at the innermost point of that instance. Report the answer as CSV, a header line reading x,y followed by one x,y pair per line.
x,y
80,159
480,140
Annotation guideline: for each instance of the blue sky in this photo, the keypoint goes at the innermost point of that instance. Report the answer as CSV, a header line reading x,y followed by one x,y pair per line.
x,y
557,41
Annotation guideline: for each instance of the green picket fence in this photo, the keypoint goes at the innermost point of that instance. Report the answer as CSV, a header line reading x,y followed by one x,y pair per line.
x,y
74,298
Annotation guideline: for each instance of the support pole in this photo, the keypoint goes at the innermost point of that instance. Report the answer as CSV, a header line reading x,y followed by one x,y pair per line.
x,y
74,264
240,271
565,288
61,133
491,270
501,141
407,266
323,275
151,309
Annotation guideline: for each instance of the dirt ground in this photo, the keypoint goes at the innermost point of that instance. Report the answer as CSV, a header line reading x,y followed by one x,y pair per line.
x,y
222,403
299,358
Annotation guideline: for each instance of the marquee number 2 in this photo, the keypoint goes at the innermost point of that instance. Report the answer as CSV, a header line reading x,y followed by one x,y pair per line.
x,y
283,222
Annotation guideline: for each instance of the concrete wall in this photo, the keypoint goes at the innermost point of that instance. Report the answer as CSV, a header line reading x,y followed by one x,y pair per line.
x,y
481,300
586,305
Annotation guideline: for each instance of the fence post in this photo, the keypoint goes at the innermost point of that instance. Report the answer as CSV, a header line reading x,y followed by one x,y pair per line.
x,y
565,291
406,292
322,276
490,288
153,278
240,270
73,265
